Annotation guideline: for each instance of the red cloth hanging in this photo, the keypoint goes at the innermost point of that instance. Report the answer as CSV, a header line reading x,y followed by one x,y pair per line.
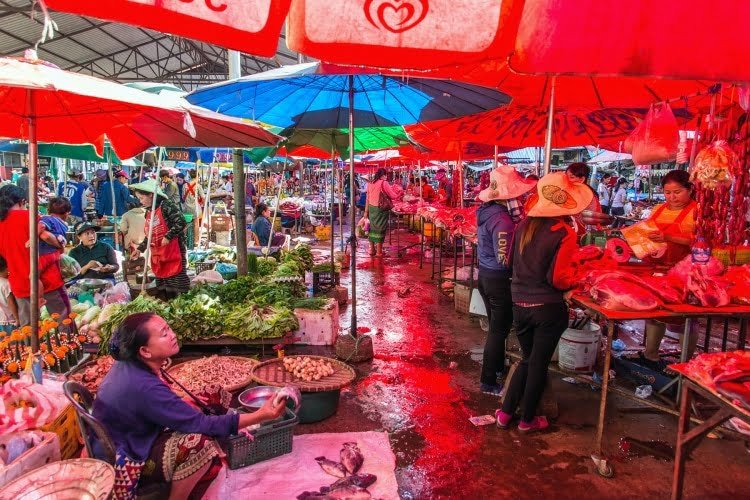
x,y
252,27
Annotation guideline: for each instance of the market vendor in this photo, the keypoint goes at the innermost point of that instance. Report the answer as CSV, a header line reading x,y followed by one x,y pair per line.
x,y
543,246
380,197
675,220
262,227
497,217
428,192
97,259
161,438
168,249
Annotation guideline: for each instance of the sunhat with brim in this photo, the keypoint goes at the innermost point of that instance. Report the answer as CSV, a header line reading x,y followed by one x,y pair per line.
x,y
85,226
505,184
148,186
558,196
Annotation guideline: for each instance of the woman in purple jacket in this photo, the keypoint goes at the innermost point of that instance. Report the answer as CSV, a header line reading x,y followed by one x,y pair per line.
x,y
156,433
496,220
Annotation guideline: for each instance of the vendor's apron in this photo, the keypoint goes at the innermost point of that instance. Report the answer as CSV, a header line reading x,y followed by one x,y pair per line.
x,y
675,252
166,261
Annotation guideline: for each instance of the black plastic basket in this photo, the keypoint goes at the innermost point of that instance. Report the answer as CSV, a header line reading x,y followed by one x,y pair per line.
x,y
271,440
325,281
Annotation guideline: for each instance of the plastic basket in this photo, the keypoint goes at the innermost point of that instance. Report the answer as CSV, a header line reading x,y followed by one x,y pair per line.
x,y
204,266
325,281
66,428
269,441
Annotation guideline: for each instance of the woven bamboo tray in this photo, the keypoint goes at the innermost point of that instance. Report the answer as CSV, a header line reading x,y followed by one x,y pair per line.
x,y
272,373
174,371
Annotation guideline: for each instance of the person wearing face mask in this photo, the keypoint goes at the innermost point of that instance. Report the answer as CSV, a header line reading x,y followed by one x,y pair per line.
x,y
497,217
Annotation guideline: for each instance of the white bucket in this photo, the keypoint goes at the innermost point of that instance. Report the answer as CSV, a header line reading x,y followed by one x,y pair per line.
x,y
578,349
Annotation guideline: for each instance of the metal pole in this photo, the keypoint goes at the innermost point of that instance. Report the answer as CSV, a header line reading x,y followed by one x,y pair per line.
x,y
494,159
353,217
341,208
550,125
240,217
112,191
33,211
333,183
276,212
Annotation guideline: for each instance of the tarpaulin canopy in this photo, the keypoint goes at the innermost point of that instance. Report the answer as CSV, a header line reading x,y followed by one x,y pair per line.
x,y
248,26
515,127
305,96
403,33
56,150
689,40
78,109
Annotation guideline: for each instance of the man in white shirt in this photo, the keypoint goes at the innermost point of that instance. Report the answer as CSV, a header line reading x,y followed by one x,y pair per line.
x,y
603,191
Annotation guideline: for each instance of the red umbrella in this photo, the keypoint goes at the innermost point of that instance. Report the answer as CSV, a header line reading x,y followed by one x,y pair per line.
x,y
40,102
248,26
700,40
403,33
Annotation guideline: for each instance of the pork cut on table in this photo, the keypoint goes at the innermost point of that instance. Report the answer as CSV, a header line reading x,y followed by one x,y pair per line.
x,y
620,294
708,291
657,286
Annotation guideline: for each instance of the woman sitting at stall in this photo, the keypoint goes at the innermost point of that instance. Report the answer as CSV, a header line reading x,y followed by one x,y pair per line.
x,y
380,198
161,438
168,249
97,259
543,246
501,210
262,227
675,221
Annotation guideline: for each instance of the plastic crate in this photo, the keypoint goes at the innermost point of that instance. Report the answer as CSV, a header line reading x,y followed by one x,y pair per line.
x,y
67,430
461,298
325,281
204,266
271,440
741,256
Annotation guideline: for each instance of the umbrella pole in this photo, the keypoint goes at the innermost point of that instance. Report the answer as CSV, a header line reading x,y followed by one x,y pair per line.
x,y
112,191
206,216
550,124
494,159
276,212
341,208
147,255
240,218
33,238
333,184
353,217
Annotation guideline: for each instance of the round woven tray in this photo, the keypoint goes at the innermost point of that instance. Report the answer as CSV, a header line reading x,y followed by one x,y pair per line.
x,y
174,371
272,373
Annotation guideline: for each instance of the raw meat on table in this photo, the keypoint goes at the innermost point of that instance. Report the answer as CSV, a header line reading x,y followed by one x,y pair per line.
x,y
623,295
708,291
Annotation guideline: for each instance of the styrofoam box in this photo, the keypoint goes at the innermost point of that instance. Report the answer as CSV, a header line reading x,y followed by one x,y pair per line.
x,y
318,327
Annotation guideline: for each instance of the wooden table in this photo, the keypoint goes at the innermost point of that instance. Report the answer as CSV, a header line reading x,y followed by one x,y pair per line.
x,y
688,439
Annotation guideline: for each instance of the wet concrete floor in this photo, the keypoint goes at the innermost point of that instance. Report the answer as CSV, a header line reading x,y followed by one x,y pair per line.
x,y
422,387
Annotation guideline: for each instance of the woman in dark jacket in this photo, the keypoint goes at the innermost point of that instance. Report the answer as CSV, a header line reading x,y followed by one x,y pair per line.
x,y
496,221
263,229
168,248
543,246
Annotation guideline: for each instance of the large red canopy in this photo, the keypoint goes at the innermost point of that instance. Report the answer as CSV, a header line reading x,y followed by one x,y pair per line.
x,y
250,26
676,39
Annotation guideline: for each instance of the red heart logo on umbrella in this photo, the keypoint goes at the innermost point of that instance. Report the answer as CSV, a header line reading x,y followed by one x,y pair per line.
x,y
396,16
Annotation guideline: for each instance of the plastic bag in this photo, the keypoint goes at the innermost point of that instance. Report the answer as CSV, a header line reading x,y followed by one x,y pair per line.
x,y
363,227
643,246
118,294
655,139
69,267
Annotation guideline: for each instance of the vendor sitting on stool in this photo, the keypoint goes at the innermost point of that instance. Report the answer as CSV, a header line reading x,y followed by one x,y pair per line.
x,y
676,222
97,259
159,436
262,227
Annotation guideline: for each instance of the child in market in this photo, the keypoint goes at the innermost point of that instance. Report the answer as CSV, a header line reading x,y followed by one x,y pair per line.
x,y
8,307
52,233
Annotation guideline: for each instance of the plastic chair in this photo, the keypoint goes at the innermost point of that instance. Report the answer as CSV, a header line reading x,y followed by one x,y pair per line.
x,y
92,429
